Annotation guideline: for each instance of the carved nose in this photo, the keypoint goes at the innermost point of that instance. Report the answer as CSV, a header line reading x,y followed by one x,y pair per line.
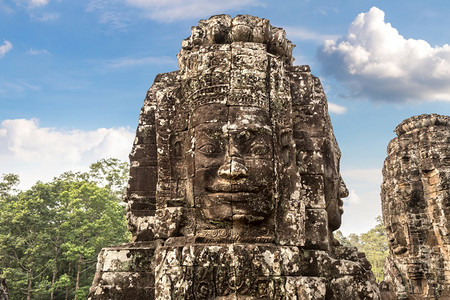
x,y
343,191
233,170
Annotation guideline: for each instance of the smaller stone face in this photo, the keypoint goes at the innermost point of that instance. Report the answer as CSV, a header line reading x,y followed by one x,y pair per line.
x,y
397,233
415,202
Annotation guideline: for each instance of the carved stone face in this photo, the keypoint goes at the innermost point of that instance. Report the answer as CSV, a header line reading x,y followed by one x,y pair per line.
x,y
334,187
233,158
397,234
335,210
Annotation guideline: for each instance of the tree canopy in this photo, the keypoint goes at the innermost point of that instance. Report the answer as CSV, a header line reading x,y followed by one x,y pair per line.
x,y
50,235
373,243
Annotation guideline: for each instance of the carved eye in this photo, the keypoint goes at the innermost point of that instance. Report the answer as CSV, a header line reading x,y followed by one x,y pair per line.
x,y
259,149
244,135
208,149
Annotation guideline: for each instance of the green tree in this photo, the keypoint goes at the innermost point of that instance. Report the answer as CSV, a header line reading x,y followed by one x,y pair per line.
x,y
24,240
373,243
7,185
110,173
343,240
94,220
50,235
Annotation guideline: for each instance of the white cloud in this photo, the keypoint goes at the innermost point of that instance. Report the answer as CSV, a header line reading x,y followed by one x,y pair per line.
x,y
6,8
5,48
306,34
353,198
32,3
375,62
44,16
111,13
325,11
41,153
361,209
168,11
370,176
37,10
114,14
37,3
115,19
363,204
18,88
139,61
38,52
335,108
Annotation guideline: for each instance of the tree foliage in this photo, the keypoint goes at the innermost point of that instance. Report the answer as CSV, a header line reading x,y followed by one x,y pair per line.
x,y
50,235
373,243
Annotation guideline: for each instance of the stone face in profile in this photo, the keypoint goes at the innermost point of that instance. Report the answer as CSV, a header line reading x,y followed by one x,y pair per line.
x,y
334,186
235,187
415,199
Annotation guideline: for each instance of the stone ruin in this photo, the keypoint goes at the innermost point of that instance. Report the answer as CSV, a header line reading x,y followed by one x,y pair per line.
x,y
416,208
234,187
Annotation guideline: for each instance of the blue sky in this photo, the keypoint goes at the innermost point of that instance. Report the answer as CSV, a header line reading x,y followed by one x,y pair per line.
x,y
73,76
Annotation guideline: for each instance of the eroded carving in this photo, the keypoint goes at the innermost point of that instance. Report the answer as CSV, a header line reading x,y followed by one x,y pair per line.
x,y
235,178
415,197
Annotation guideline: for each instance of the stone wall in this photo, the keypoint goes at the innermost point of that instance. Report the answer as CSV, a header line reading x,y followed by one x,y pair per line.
x,y
416,206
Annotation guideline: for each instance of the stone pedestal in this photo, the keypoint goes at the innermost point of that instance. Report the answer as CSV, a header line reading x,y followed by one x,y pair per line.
x,y
125,272
231,271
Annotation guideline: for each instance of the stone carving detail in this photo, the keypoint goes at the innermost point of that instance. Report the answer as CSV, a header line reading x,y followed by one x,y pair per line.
x,y
416,206
235,187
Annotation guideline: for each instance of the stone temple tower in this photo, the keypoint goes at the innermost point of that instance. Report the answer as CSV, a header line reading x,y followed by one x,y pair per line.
x,y
416,208
234,187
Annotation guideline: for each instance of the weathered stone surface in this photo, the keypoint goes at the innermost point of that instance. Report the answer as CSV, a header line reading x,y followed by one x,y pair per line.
x,y
125,272
416,208
235,179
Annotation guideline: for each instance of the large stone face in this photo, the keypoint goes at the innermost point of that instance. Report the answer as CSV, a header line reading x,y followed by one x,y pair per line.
x,y
234,187
416,208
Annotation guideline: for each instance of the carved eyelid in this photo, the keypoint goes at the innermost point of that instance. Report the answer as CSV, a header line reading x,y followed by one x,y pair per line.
x,y
209,142
259,149
208,148
258,145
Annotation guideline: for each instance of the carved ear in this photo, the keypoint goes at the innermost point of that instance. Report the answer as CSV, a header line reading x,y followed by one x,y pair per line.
x,y
290,215
190,167
288,153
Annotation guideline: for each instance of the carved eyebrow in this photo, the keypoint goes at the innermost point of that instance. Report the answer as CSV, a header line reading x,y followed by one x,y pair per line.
x,y
222,131
252,129
211,133
209,126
